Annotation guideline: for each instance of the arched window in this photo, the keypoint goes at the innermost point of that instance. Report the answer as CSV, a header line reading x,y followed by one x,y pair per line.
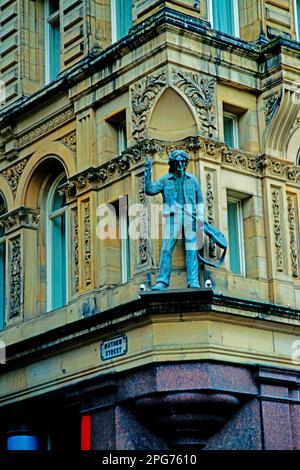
x,y
298,158
2,267
57,281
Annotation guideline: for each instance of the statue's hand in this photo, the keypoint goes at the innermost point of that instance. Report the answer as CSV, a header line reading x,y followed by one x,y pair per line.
x,y
148,166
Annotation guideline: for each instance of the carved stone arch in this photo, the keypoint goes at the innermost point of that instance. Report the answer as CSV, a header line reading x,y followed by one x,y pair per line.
x,y
293,147
281,124
6,193
172,117
54,151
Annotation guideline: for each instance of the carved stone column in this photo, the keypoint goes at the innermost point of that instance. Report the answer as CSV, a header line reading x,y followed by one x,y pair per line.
x,y
20,228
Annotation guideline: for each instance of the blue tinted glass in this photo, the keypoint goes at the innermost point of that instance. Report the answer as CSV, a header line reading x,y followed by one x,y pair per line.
x,y
229,131
223,16
54,51
58,262
123,17
233,228
58,201
22,442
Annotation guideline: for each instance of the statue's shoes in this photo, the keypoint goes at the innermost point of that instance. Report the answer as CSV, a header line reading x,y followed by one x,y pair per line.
x,y
194,285
159,286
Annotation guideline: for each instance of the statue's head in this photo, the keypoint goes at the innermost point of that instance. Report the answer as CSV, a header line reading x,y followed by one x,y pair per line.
x,y
178,161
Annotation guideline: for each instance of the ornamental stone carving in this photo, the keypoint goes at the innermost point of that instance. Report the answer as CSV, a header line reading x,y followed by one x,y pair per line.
x,y
86,243
210,207
14,173
47,126
200,91
22,217
291,206
271,107
70,141
277,229
144,245
75,251
15,277
142,98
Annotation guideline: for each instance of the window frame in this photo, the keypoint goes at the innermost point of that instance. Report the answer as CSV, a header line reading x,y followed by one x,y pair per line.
x,y
234,118
297,19
240,232
114,25
50,19
236,20
50,216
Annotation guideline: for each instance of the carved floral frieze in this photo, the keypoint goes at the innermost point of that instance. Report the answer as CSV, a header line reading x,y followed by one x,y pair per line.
x,y
22,217
45,127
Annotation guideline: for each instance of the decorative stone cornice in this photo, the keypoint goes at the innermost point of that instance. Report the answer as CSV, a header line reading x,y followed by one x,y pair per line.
x,y
13,173
20,218
198,147
45,127
94,178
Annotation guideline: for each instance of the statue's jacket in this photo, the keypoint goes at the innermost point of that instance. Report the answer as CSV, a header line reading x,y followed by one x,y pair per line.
x,y
166,185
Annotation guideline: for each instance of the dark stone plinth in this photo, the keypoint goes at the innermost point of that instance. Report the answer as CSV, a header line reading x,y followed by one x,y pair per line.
x,y
277,427
242,432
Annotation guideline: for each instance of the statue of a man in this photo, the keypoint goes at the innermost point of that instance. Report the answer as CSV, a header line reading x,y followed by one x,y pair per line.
x,y
184,216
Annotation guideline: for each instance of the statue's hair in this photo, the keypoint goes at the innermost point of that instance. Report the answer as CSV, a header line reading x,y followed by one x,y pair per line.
x,y
173,157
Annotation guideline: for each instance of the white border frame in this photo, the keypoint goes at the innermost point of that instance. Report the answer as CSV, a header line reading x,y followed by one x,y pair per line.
x,y
49,216
235,16
241,240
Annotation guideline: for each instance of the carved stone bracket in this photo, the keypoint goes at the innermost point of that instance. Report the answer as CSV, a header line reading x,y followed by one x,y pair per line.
x,y
271,107
22,217
200,91
142,98
277,228
70,141
14,173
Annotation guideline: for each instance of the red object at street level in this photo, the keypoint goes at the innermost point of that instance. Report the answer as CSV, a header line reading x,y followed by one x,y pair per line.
x,y
85,432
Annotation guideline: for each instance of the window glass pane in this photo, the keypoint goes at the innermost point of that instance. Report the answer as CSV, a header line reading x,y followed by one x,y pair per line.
x,y
233,228
122,137
54,51
223,16
58,201
298,19
123,17
2,285
229,131
58,262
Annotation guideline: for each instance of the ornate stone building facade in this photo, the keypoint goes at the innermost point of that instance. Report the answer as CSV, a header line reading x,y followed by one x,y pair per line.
x,y
92,89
